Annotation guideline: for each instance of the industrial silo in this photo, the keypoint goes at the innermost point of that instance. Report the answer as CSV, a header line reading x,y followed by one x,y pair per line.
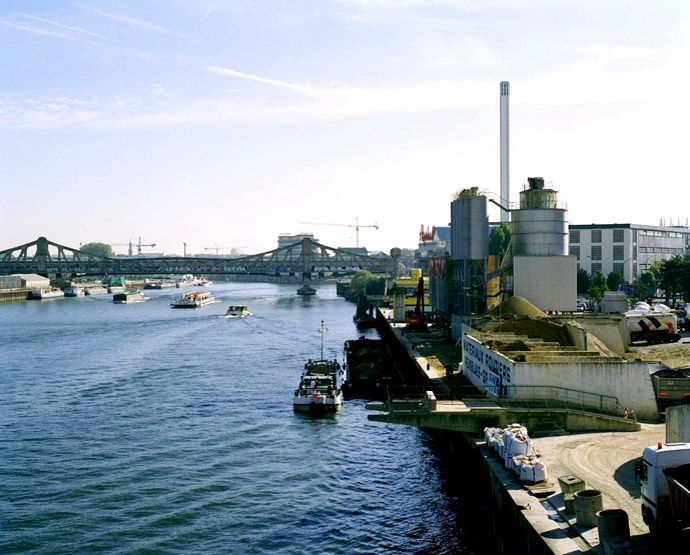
x,y
539,226
543,271
469,250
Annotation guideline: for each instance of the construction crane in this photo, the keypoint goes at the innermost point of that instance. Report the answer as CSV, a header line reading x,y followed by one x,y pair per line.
x,y
217,248
130,245
355,225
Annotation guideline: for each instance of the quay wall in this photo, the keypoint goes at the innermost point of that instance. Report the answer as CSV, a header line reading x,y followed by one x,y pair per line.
x,y
14,296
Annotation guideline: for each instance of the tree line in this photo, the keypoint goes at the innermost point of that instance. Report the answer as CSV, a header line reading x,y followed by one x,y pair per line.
x,y
671,276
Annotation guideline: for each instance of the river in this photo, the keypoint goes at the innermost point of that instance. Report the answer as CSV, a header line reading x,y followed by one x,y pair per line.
x,y
142,429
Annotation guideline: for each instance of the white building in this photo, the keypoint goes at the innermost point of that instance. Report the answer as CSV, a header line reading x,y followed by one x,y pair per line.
x,y
627,249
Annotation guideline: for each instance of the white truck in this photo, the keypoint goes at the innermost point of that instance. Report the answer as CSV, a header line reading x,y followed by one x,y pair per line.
x,y
664,475
656,324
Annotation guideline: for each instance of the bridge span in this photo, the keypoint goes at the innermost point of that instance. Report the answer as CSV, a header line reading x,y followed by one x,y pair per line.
x,y
305,259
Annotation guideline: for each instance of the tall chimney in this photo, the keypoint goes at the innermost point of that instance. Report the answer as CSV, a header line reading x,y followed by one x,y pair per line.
x,y
505,150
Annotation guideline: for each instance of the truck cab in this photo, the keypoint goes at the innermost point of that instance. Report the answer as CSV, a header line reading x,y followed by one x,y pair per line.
x,y
657,510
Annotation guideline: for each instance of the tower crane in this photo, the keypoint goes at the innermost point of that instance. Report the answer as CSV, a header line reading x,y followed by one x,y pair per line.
x,y
217,249
130,245
355,225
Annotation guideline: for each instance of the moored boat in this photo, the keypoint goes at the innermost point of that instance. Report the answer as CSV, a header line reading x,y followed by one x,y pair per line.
x,y
196,299
130,296
237,311
97,290
74,291
51,293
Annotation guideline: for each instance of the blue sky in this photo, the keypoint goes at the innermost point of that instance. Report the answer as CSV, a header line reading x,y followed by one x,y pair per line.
x,y
225,123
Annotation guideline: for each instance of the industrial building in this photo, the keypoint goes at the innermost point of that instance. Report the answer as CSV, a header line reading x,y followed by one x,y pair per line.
x,y
627,249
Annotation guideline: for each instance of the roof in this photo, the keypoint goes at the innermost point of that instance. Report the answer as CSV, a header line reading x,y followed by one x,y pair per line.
x,y
30,276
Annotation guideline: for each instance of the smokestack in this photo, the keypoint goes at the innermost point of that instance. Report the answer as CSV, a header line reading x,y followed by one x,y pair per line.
x,y
505,150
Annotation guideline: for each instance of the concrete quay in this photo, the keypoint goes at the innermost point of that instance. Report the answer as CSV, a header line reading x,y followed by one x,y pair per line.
x,y
527,518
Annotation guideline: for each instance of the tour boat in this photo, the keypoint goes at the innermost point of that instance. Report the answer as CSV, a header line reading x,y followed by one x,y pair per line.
x,y
194,300
237,311
51,293
74,291
320,386
131,296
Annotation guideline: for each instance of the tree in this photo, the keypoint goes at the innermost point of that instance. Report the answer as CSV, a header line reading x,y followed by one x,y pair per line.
x,y
98,249
598,286
584,282
499,239
672,276
644,287
613,280
364,282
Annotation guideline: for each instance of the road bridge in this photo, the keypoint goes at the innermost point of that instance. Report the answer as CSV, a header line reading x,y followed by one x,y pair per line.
x,y
306,259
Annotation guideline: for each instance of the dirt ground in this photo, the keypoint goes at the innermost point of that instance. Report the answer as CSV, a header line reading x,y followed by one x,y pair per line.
x,y
675,355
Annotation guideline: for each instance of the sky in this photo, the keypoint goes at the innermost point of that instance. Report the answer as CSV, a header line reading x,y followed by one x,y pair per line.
x,y
224,123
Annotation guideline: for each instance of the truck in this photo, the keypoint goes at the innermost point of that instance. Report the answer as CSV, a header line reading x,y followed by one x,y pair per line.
x,y
653,325
671,387
664,476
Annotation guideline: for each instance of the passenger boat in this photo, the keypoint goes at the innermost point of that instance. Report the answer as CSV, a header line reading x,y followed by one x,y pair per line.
x,y
237,311
130,296
74,291
194,300
320,386
51,293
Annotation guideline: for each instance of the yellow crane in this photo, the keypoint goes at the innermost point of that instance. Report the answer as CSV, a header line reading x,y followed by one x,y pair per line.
x,y
355,225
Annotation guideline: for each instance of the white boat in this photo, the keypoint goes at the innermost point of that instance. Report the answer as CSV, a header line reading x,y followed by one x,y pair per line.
x,y
51,293
237,311
196,299
74,291
320,386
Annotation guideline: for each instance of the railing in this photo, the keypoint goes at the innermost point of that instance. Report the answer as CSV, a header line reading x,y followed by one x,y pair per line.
x,y
517,396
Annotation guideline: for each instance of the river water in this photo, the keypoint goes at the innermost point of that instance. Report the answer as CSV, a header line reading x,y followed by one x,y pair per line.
x,y
142,429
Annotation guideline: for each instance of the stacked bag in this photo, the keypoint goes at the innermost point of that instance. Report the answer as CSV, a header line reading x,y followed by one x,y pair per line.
x,y
514,447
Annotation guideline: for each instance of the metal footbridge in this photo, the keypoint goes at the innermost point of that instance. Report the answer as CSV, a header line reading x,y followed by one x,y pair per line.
x,y
306,259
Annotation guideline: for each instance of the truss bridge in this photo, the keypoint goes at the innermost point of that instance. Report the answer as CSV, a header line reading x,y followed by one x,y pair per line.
x,y
306,259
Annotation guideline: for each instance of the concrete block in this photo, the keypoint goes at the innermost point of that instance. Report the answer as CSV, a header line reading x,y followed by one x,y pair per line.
x,y
571,484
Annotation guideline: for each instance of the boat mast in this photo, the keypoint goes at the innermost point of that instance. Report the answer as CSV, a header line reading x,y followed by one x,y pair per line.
x,y
322,332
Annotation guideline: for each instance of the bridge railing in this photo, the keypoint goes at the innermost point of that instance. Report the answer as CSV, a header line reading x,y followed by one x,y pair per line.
x,y
518,396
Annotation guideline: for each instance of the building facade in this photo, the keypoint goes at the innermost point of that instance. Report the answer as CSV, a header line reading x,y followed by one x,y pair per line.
x,y
627,249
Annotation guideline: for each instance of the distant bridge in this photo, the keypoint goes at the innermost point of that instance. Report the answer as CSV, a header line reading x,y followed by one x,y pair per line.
x,y
306,259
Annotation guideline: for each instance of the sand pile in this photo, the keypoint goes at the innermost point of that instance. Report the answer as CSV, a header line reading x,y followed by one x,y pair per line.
x,y
516,307
537,329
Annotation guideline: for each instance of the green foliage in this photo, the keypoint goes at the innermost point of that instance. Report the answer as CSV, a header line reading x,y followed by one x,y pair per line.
x,y
613,280
364,282
598,286
99,249
644,287
673,278
499,239
584,282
